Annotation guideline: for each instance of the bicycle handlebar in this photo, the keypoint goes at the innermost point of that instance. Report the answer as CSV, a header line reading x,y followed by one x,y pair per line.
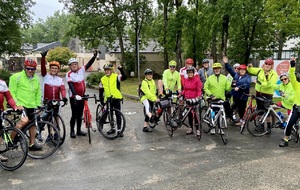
x,y
54,102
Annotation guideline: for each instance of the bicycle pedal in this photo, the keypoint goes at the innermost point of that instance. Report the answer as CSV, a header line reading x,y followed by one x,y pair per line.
x,y
94,129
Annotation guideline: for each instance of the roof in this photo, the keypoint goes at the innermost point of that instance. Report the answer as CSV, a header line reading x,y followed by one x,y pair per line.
x,y
47,46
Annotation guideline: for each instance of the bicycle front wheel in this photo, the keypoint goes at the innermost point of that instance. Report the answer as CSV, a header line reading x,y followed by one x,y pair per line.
x,y
167,121
245,119
223,130
46,136
255,126
59,123
88,125
205,119
14,150
111,124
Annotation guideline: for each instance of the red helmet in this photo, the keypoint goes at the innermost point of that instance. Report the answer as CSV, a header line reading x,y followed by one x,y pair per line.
x,y
189,61
269,61
244,67
30,63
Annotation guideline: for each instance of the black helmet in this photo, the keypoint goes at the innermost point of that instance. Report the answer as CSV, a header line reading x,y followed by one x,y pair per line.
x,y
148,71
190,68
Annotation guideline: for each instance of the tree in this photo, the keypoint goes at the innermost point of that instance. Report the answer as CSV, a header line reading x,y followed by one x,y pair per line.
x,y
60,54
14,15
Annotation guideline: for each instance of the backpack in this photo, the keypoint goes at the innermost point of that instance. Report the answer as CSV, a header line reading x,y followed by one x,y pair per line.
x,y
140,92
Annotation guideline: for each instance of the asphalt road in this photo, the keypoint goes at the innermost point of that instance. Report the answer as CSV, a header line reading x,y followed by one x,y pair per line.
x,y
156,161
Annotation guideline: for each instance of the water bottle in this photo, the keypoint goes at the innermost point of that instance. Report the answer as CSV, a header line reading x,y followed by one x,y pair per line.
x,y
280,115
213,114
284,124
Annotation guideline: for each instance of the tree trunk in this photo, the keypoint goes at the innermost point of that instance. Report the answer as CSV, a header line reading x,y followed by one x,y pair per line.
x,y
166,56
224,34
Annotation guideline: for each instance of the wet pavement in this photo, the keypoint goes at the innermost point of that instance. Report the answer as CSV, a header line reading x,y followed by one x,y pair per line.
x,y
156,161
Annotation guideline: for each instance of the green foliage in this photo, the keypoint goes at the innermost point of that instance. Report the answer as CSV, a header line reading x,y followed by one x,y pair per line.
x,y
60,54
94,78
14,15
5,75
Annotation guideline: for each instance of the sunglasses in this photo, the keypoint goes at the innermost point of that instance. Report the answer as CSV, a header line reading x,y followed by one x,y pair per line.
x,y
30,69
190,72
284,79
172,67
268,64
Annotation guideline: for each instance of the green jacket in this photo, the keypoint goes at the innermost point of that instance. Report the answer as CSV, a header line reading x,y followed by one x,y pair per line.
x,y
149,89
217,86
25,91
110,86
170,80
288,90
296,85
266,85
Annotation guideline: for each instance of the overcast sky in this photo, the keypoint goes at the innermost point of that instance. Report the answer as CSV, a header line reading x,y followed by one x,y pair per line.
x,y
45,8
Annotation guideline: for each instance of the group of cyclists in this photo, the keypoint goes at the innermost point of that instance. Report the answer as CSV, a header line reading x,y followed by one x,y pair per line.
x,y
190,83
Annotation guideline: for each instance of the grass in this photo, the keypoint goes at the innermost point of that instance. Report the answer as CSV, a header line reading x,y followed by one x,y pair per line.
x,y
129,86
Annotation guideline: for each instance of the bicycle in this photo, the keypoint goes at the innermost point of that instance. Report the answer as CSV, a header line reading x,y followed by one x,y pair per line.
x,y
87,116
13,144
214,118
111,122
46,134
248,111
256,123
178,116
55,118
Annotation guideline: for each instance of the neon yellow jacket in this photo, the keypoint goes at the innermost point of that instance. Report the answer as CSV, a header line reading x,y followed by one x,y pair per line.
x,y
266,85
110,86
25,91
171,79
217,86
296,85
288,90
149,89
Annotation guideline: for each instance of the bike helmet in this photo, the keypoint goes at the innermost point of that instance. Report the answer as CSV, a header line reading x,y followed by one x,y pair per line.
x,y
237,65
284,74
189,61
172,63
72,60
148,71
244,67
30,63
190,68
205,61
54,63
217,65
107,66
269,61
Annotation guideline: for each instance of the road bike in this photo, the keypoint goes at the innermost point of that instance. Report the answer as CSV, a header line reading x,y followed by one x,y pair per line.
x,y
248,111
214,118
175,117
44,134
55,118
111,122
13,144
87,116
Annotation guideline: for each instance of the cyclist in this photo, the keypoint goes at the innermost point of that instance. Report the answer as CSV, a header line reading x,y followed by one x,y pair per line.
x,y
266,79
148,98
25,89
217,85
5,93
182,71
110,85
76,82
170,79
295,81
205,71
192,89
240,85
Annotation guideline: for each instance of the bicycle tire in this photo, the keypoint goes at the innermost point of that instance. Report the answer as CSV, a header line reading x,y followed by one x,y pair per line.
x,y
167,122
88,125
295,132
223,130
16,150
45,137
60,125
247,113
99,110
205,126
254,126
106,122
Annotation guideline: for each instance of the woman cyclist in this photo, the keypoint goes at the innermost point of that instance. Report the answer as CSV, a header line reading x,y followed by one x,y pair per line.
x,y
192,89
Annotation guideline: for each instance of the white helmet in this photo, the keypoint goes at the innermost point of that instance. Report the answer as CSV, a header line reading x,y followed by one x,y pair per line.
x,y
236,65
72,60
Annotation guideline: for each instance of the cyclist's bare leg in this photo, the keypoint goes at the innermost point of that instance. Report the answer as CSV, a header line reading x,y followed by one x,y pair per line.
x,y
160,86
32,133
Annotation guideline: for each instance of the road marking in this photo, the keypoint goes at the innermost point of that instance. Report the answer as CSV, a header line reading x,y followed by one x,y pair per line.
x,y
130,113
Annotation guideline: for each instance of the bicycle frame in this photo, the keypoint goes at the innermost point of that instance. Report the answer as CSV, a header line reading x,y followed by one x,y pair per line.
x,y
271,110
213,121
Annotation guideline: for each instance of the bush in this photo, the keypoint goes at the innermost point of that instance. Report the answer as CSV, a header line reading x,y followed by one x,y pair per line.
x,y
94,78
5,76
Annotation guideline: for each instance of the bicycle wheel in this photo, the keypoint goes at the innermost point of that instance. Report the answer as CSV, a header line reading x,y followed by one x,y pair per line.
x,y
15,150
99,111
245,119
223,130
88,125
46,136
295,132
59,123
254,126
205,119
167,121
108,124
